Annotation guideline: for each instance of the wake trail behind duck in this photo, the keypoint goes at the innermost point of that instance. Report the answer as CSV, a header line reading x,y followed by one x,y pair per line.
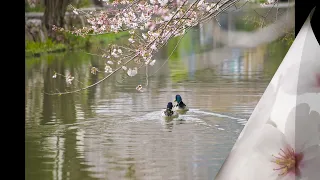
x,y
191,115
217,115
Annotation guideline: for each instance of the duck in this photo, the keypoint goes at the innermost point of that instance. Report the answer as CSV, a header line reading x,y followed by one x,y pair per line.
x,y
180,106
168,113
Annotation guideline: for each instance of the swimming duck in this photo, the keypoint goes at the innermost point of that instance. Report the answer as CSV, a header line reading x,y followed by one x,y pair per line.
x,y
168,113
180,106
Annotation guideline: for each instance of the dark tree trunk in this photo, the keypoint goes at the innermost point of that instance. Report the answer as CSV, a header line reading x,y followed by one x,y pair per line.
x,y
54,14
98,3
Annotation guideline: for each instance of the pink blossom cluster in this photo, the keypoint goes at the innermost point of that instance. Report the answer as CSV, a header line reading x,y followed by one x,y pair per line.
x,y
151,24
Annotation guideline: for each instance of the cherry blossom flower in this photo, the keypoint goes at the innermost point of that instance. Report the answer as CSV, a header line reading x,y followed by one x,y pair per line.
x,y
217,7
292,154
124,68
143,18
144,36
76,12
54,76
131,40
114,54
200,3
163,2
110,62
152,62
167,18
179,2
208,8
94,70
132,72
69,79
108,69
153,47
119,51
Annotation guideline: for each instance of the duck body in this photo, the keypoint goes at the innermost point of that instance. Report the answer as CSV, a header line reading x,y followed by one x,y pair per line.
x,y
180,106
181,110
168,113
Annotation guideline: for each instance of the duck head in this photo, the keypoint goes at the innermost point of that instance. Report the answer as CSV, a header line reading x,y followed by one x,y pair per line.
x,y
169,105
178,99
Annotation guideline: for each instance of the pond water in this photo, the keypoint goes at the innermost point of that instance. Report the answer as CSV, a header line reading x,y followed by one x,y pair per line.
x,y
112,131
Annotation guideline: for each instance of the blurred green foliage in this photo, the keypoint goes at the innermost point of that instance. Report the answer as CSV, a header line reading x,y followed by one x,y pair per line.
x,y
178,71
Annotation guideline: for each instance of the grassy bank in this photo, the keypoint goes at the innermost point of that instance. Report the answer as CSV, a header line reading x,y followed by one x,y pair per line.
x,y
37,48
70,43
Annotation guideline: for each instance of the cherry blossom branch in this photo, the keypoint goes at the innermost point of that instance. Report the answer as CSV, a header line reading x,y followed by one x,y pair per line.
x,y
150,25
67,77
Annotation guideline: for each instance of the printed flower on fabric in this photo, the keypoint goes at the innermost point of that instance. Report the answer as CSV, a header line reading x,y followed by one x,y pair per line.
x,y
294,154
242,149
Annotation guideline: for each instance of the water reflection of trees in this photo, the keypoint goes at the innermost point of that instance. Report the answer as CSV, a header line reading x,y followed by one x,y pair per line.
x,y
238,63
67,110
68,157
56,155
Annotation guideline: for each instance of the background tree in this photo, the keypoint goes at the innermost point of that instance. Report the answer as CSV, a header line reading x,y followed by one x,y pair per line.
x,y
98,3
54,13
